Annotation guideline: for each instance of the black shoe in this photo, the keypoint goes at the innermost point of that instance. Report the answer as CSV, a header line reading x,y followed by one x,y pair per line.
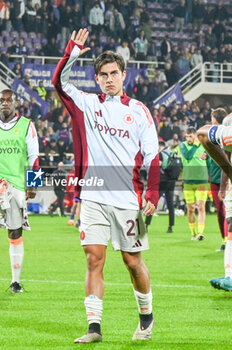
x,y
169,230
16,287
50,211
222,248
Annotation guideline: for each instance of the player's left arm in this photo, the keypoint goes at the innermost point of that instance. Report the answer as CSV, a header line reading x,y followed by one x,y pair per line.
x,y
149,149
33,154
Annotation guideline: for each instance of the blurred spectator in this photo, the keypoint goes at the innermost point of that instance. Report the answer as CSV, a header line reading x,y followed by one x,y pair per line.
x,y
18,70
65,15
29,17
135,20
147,28
140,45
183,65
50,49
36,111
198,14
124,50
64,133
117,24
112,45
41,91
59,175
42,18
221,55
206,110
96,18
62,150
5,58
179,15
210,38
4,15
165,48
174,53
53,26
76,17
171,74
25,109
18,48
108,14
200,121
166,131
17,13
196,58
220,12
219,30
27,80
57,112
58,123
51,151
175,126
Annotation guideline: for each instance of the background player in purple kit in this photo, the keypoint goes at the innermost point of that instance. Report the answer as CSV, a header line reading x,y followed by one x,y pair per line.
x,y
113,136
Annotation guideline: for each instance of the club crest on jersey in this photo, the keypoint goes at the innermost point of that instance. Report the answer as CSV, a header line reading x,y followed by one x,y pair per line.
x,y
129,119
82,235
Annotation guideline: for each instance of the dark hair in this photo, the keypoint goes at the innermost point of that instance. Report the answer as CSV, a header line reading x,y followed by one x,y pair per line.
x,y
10,91
109,57
191,130
219,114
162,143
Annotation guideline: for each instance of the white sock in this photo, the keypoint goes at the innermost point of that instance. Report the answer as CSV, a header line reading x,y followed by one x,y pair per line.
x,y
228,259
144,302
94,309
16,259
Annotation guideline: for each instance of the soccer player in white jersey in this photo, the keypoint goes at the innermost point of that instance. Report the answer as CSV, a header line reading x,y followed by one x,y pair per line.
x,y
113,135
214,139
18,149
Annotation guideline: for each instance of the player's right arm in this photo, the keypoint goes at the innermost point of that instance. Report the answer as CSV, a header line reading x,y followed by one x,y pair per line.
x,y
223,182
67,91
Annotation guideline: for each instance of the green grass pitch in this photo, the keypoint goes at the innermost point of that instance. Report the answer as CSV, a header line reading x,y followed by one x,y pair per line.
x,y
189,313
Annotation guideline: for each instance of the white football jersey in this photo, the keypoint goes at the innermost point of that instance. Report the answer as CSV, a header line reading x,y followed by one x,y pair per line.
x,y
112,137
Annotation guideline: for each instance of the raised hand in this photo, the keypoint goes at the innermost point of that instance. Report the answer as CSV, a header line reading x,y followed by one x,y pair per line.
x,y
80,39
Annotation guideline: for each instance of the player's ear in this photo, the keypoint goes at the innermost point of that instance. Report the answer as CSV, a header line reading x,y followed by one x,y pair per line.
x,y
124,75
96,78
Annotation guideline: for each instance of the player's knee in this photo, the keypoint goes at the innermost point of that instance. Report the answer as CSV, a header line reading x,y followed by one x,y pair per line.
x,y
191,208
95,262
132,261
201,206
15,234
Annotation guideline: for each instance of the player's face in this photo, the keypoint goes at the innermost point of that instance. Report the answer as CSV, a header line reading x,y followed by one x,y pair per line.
x,y
110,79
190,138
7,105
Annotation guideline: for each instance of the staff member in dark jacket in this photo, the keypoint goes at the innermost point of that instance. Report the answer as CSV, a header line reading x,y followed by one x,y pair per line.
x,y
58,176
167,186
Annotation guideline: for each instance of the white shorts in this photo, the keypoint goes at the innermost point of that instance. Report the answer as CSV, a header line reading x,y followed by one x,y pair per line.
x,y
125,227
16,213
228,201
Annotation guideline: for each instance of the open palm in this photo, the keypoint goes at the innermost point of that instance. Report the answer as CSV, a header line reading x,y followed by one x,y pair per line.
x,y
80,39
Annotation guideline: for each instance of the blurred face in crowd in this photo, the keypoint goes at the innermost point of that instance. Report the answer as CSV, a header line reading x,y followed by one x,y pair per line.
x,y
110,79
8,103
190,138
